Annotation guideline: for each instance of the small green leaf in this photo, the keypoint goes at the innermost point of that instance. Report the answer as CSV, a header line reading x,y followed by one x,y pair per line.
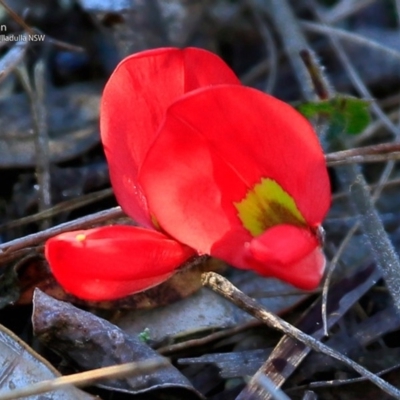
x,y
144,336
345,114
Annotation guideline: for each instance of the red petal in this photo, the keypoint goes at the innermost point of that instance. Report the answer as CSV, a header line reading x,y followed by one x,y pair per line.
x,y
134,103
217,143
115,261
289,253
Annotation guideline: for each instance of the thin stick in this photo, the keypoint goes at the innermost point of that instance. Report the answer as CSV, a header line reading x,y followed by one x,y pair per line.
x,y
80,223
369,158
349,37
87,378
224,288
17,18
382,148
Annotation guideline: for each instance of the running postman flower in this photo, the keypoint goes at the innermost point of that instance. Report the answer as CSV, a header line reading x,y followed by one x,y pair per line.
x,y
114,261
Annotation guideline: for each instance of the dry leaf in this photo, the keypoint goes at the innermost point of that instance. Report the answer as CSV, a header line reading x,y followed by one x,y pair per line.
x,y
91,342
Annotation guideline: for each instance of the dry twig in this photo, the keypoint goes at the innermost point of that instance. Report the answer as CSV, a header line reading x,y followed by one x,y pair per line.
x,y
86,378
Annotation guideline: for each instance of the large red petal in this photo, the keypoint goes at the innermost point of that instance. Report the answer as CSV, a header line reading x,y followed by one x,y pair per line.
x,y
217,143
115,261
133,105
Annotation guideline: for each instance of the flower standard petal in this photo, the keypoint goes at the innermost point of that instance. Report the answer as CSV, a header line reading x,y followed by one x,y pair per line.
x,y
115,261
133,105
230,163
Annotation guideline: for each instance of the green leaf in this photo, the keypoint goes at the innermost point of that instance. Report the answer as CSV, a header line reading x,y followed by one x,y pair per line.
x,y
144,336
345,114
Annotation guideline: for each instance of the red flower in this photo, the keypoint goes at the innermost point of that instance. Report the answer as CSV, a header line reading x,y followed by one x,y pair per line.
x,y
115,261
223,169
240,175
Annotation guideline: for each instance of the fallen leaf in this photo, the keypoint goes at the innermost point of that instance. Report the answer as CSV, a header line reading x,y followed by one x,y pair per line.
x,y
91,342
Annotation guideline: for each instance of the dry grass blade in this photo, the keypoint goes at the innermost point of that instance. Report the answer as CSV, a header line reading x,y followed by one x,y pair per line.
x,y
340,382
223,287
86,378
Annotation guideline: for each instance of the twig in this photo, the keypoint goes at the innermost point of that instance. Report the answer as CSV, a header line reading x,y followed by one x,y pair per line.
x,y
80,223
349,36
321,88
224,288
17,18
212,337
87,378
341,382
369,158
360,151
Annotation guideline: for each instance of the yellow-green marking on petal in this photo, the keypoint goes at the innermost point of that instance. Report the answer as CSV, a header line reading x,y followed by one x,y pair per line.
x,y
267,205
